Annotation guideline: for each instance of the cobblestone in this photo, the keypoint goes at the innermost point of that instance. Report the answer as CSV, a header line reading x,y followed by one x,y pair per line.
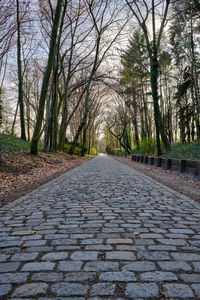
x,y
100,231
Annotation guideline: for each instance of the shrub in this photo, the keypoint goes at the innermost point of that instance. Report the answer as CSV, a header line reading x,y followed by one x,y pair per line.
x,y
108,150
93,151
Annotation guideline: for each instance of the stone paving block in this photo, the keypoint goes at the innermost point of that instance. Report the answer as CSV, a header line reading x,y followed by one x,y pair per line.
x,y
30,289
9,267
99,247
119,241
186,256
24,256
101,266
13,277
190,278
102,289
158,276
69,266
196,265
120,255
196,288
59,242
141,290
38,266
174,266
184,231
82,236
153,255
39,249
80,276
162,248
55,256
84,255
6,244
180,291
117,276
34,243
92,242
140,266
56,236
69,289
175,242
4,289
47,277
4,257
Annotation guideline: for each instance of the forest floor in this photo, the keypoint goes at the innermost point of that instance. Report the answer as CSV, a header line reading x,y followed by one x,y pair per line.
x,y
182,183
23,173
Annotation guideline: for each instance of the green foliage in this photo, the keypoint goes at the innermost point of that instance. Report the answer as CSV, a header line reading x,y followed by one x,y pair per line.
x,y
93,151
77,149
147,146
13,145
184,151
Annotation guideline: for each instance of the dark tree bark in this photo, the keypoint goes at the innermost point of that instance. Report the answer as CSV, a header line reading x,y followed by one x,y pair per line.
x,y
45,82
20,79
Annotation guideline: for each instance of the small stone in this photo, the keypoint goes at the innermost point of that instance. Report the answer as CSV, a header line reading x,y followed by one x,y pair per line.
x,y
196,288
24,256
102,289
174,266
9,267
30,289
196,266
69,266
80,276
3,257
84,255
117,276
180,291
140,266
186,256
158,276
47,277
69,289
34,243
55,256
141,290
38,266
174,242
153,255
120,255
190,278
23,232
4,289
119,241
101,266
13,277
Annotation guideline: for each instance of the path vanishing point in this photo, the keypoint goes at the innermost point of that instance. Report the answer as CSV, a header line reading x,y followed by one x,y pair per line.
x,y
100,231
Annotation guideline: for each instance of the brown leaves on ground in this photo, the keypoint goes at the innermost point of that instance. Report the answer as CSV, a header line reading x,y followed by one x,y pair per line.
x,y
23,173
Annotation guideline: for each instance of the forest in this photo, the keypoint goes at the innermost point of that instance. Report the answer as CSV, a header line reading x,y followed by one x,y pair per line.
x,y
78,73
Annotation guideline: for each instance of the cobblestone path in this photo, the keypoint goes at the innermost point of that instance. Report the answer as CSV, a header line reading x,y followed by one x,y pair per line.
x,y
100,231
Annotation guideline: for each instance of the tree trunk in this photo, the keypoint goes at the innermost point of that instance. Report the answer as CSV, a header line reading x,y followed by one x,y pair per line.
x,y
20,79
45,82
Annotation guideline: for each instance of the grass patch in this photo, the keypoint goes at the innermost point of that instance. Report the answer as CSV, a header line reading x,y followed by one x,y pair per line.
x,y
12,145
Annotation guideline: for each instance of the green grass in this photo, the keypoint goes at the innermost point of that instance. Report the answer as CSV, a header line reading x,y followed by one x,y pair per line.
x,y
12,145
184,151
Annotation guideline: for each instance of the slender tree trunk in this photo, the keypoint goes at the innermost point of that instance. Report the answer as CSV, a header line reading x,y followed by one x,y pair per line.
x,y
20,79
45,82
14,120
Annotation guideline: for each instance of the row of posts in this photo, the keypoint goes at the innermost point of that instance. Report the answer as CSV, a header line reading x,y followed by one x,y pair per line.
x,y
166,163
